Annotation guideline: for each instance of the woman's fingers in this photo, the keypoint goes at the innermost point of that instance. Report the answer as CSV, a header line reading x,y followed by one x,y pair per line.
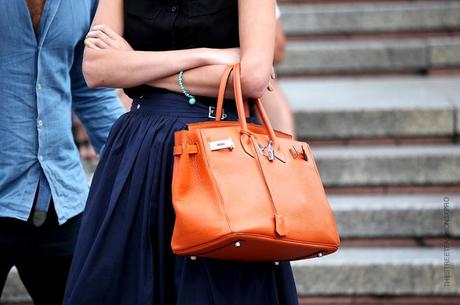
x,y
102,36
111,38
106,30
98,43
270,86
90,45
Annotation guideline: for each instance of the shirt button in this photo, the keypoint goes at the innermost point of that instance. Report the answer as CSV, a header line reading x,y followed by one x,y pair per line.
x,y
40,157
39,123
173,9
39,87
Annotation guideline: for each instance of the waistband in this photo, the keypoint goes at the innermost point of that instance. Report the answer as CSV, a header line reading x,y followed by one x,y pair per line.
x,y
177,105
147,90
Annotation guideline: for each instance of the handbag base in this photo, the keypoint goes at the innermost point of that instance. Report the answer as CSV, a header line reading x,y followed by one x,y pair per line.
x,y
255,247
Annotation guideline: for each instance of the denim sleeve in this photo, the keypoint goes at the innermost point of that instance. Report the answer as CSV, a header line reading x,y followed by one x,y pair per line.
x,y
96,108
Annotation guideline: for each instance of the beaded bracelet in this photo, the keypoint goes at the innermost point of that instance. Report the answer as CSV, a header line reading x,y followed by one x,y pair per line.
x,y
191,98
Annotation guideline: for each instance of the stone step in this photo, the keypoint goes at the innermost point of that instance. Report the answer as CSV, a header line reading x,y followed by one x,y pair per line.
x,y
370,56
388,165
353,18
396,215
381,272
353,272
344,108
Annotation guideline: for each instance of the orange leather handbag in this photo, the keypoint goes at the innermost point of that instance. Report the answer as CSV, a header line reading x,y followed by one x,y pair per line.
x,y
246,192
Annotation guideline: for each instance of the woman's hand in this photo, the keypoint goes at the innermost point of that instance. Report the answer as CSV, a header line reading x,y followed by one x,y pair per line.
x,y
270,86
103,37
223,56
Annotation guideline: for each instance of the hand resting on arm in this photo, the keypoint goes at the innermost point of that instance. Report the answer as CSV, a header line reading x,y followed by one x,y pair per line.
x,y
110,61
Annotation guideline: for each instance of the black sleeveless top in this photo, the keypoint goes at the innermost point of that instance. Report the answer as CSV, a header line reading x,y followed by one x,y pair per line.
x,y
161,25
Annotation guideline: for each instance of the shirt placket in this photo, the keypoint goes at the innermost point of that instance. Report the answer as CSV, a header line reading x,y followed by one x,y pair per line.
x,y
173,12
43,191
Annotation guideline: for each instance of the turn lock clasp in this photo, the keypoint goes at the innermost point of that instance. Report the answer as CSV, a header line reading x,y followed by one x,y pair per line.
x,y
222,144
268,150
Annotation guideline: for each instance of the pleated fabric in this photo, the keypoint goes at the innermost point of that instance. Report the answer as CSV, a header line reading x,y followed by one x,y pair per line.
x,y
123,254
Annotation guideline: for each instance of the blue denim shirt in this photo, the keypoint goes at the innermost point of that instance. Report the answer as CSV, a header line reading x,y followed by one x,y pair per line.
x,y
41,81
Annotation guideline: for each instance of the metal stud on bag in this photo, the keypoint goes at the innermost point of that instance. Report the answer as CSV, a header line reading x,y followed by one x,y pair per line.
x,y
237,244
320,254
295,154
193,258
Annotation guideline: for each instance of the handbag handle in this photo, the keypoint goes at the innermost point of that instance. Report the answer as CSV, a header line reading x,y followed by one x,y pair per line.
x,y
235,69
221,95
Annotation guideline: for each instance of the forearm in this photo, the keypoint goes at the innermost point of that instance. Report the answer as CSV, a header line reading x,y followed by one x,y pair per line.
x,y
257,39
201,81
280,43
278,110
124,69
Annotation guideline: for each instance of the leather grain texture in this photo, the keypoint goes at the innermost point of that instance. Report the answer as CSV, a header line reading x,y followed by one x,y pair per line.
x,y
261,199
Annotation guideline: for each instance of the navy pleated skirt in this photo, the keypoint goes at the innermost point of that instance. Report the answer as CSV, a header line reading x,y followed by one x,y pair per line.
x,y
123,254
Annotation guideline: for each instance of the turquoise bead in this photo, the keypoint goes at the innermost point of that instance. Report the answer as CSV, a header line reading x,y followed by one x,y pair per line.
x,y
191,98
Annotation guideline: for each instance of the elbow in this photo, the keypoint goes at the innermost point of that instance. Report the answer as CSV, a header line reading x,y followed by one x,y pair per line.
x,y
254,81
90,74
90,80
92,70
254,87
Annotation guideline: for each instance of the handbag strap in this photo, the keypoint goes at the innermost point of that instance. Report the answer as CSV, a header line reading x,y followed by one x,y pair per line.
x,y
239,98
265,120
260,107
234,70
280,224
221,94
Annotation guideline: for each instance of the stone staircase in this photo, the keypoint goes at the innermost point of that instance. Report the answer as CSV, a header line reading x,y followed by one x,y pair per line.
x,y
375,87
392,171
371,36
